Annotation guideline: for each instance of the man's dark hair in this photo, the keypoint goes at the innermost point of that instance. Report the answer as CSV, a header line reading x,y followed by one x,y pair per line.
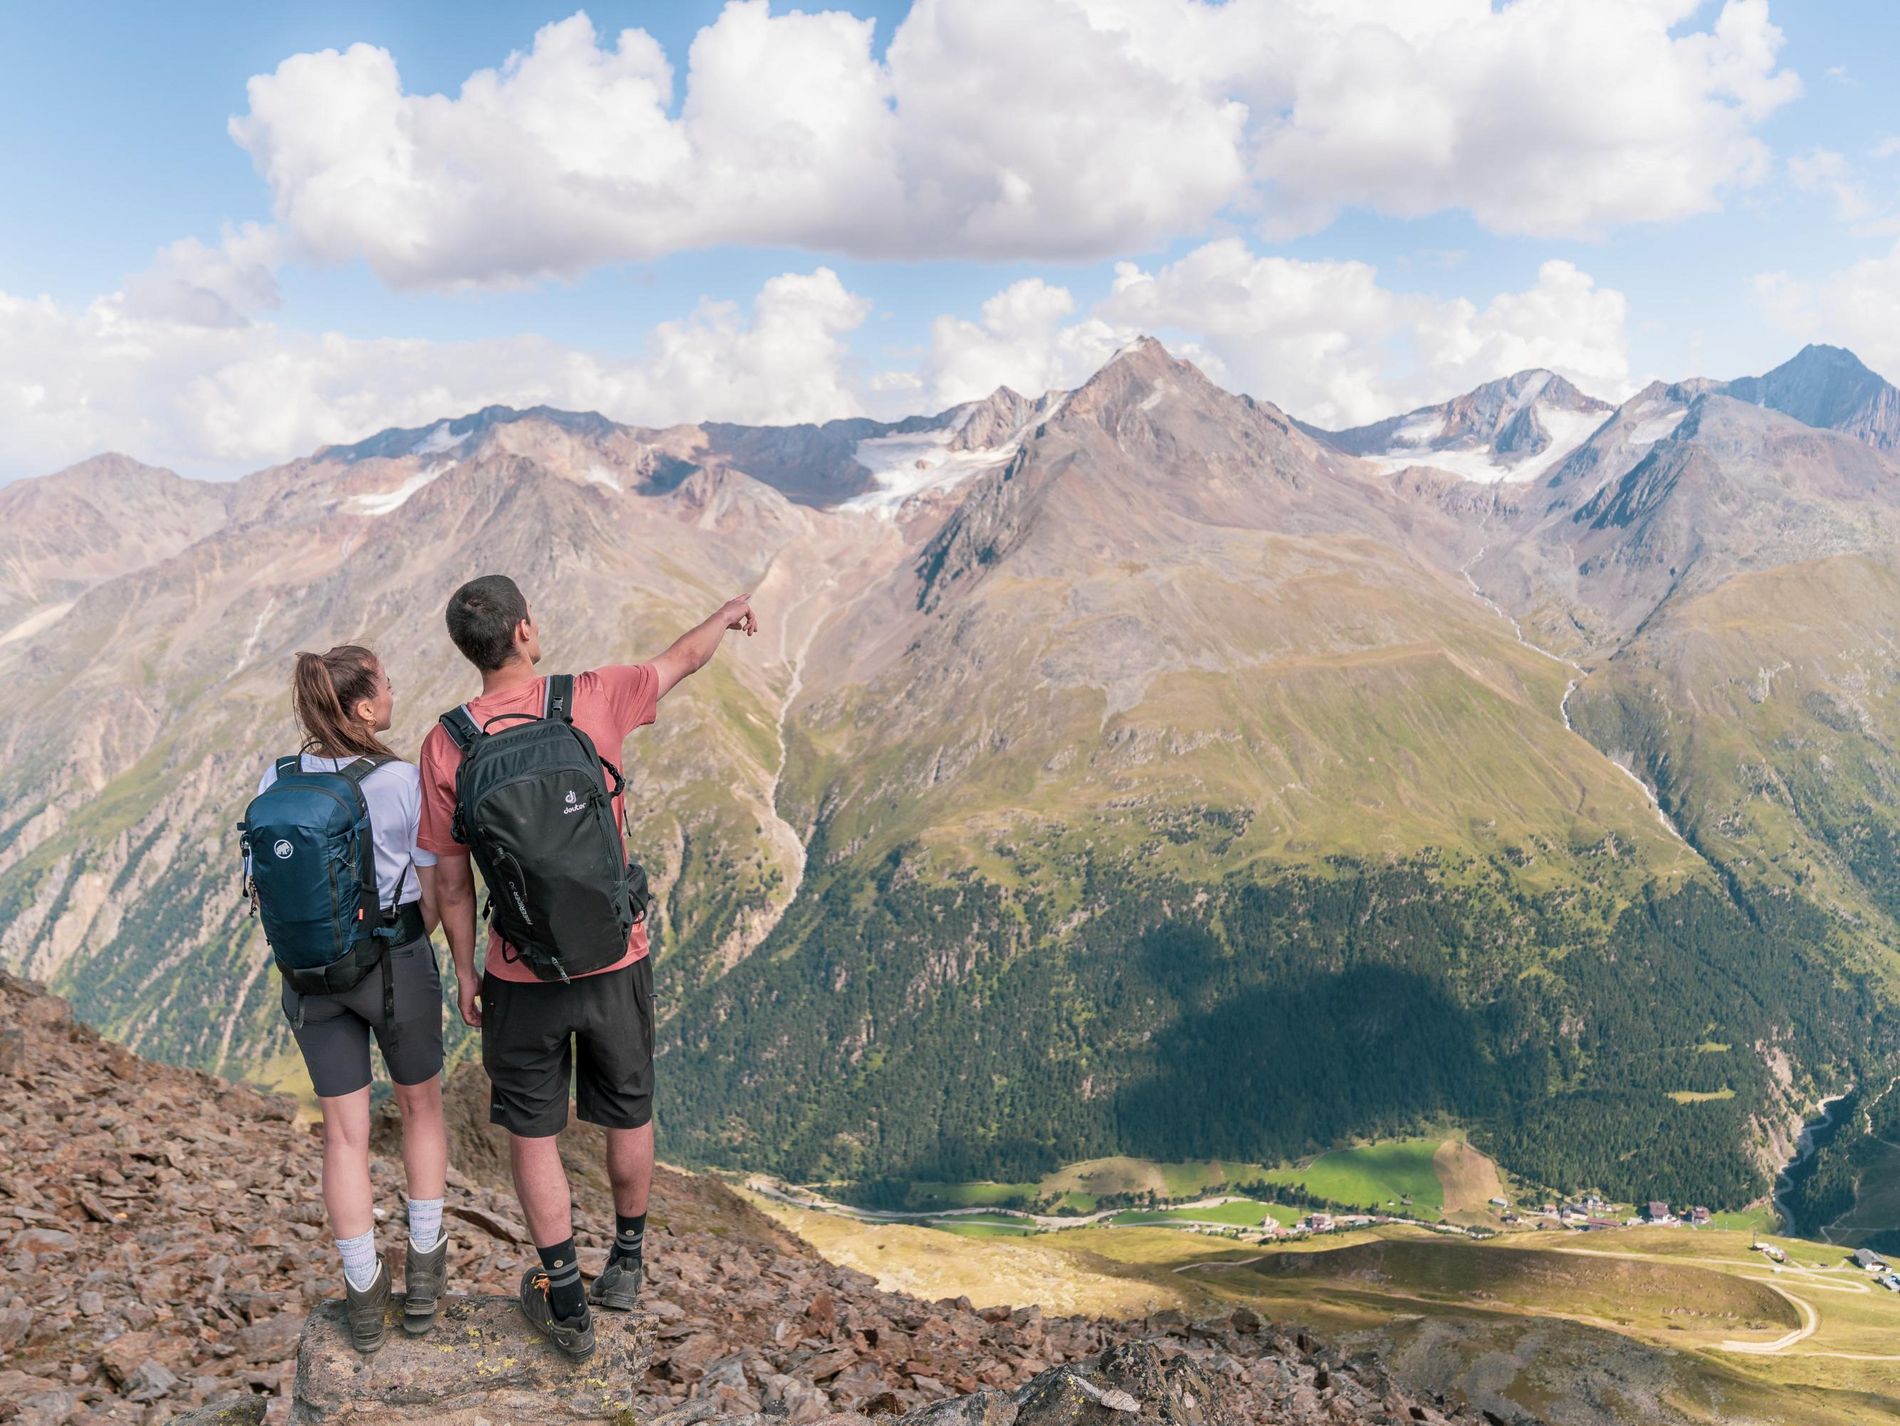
x,y
482,617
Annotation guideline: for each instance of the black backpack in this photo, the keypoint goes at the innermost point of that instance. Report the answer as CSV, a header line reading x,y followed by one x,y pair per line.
x,y
534,810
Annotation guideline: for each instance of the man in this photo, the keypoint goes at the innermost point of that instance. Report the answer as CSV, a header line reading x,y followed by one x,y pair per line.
x,y
597,1028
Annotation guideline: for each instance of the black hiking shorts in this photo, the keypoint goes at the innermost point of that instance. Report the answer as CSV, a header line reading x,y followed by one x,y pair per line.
x,y
334,1031
595,1032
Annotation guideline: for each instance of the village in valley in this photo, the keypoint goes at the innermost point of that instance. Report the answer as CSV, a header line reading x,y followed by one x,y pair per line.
x,y
1442,1188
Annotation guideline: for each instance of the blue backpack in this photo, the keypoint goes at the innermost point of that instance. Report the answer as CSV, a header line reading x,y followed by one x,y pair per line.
x,y
310,866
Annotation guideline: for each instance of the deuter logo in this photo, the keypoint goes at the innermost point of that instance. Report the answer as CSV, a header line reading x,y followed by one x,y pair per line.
x,y
283,850
574,804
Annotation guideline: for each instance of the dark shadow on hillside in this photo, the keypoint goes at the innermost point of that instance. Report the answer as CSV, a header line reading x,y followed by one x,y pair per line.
x,y
1286,1066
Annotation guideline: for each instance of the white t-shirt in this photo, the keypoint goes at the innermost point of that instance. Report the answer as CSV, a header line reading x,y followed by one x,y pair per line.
x,y
393,794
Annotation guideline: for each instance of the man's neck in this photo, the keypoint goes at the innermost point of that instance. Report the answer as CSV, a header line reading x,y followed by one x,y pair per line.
x,y
516,673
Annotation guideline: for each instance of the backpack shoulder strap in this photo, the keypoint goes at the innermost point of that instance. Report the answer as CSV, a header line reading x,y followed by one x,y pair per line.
x,y
362,768
289,765
560,697
371,898
461,725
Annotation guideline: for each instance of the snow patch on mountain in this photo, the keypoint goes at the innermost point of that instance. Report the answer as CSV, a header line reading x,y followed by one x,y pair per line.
x,y
905,467
916,463
1411,446
1654,421
383,502
439,438
38,620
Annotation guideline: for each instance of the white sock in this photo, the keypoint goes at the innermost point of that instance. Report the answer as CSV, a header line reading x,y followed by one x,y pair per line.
x,y
425,1223
359,1259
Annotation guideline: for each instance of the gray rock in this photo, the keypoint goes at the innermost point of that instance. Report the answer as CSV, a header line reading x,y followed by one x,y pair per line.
x,y
986,1408
480,1366
1063,1396
46,1408
230,1411
151,1381
38,1241
692,1413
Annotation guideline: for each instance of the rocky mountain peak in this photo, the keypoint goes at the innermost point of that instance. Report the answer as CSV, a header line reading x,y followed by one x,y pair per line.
x,y
1512,429
986,424
1831,388
104,516
1140,365
1138,378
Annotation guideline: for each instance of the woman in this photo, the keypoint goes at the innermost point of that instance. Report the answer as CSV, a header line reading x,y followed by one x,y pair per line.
x,y
344,699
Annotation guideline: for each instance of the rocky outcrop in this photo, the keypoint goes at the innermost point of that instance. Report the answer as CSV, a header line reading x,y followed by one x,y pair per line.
x,y
163,1257
480,1366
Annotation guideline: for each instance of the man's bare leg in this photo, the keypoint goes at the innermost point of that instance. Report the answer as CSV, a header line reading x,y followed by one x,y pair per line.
x,y
541,1185
630,1168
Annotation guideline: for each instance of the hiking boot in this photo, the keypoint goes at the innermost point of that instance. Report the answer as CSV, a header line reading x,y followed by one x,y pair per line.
x,y
367,1309
618,1286
573,1335
422,1278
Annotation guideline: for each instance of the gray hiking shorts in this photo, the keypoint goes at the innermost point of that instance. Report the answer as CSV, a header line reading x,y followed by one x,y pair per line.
x,y
334,1031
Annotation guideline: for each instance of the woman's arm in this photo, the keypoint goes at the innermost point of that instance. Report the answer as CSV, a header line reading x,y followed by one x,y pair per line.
x,y
431,914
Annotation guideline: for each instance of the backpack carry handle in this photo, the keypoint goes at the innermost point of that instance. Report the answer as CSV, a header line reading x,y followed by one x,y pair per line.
x,y
510,718
557,702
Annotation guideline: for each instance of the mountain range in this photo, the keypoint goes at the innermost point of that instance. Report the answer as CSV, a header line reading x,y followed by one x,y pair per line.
x,y
1129,769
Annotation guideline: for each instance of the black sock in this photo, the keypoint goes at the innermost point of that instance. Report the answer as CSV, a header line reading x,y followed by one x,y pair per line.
x,y
564,1280
630,1232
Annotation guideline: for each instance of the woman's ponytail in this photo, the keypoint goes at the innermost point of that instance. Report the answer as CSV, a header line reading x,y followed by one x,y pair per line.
x,y
323,687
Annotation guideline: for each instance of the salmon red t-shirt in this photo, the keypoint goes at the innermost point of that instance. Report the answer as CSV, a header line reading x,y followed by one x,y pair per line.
x,y
609,703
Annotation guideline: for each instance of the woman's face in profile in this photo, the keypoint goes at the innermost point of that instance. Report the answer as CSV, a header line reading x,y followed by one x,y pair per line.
x,y
381,708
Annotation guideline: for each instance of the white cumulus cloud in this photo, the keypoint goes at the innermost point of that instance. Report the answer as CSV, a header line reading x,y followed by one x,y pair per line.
x,y
1022,340
1324,340
1857,307
1016,128
1540,116
170,369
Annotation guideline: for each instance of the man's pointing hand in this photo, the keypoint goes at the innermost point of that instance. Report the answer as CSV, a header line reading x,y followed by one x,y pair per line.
x,y
737,614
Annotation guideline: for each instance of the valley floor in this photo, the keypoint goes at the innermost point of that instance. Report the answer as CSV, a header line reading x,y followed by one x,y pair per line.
x,y
1629,1324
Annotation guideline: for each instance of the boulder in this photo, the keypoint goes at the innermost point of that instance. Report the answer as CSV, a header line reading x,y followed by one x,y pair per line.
x,y
481,1366
986,1408
1134,1384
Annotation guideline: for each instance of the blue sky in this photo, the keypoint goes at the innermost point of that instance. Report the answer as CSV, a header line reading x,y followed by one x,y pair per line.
x,y
114,144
